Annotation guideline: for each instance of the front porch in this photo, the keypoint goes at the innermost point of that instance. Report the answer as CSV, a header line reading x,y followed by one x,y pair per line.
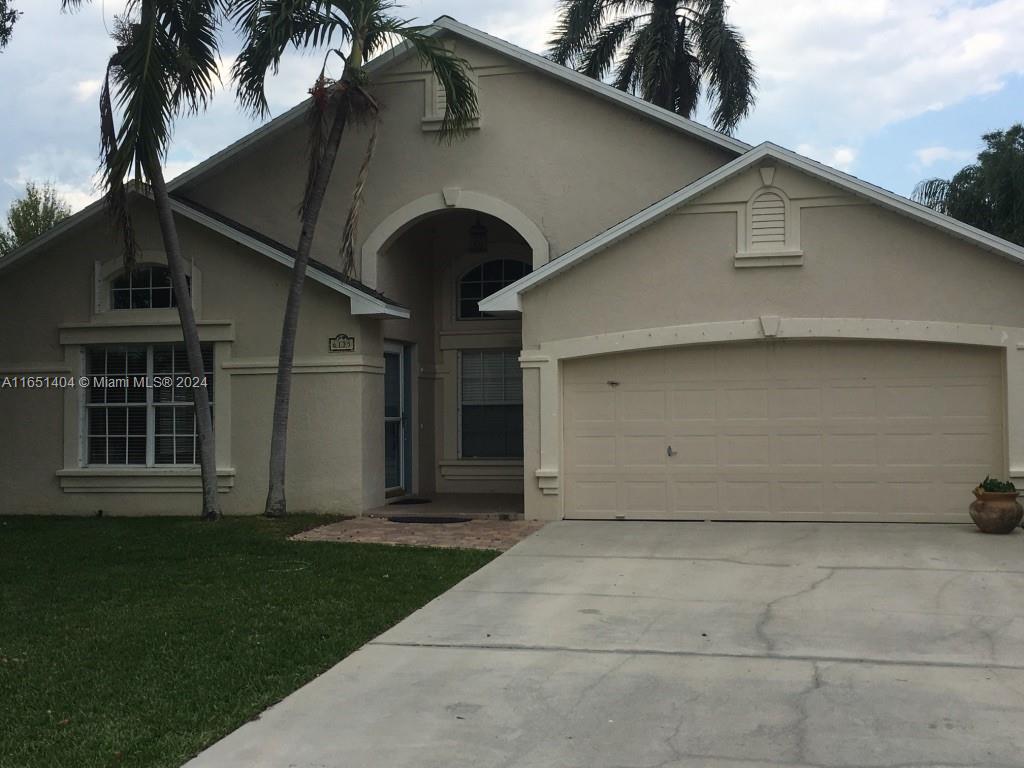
x,y
475,506
452,384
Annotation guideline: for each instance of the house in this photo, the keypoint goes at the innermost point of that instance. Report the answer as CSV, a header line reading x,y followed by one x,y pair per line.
x,y
593,302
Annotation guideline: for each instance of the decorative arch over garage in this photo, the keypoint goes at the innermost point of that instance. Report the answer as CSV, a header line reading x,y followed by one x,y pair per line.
x,y
448,199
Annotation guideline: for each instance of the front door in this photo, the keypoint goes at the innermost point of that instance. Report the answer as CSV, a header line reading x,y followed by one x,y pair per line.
x,y
397,465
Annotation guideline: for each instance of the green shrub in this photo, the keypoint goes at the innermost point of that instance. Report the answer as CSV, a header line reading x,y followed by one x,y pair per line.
x,y
991,485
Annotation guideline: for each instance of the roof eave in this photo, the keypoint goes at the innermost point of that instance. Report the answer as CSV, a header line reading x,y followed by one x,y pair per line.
x,y
511,294
361,303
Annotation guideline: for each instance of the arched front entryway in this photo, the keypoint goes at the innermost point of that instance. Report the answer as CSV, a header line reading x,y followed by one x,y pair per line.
x,y
448,200
453,382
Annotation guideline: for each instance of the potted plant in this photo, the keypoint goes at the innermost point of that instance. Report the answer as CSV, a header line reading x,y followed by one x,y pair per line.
x,y
996,509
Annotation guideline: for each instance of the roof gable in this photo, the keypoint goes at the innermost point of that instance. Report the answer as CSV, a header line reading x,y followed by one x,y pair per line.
x,y
536,62
508,299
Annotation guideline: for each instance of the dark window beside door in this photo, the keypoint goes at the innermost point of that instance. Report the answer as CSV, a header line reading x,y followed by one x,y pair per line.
x,y
491,401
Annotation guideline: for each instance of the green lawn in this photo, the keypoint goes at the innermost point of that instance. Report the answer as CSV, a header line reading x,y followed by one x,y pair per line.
x,y
139,642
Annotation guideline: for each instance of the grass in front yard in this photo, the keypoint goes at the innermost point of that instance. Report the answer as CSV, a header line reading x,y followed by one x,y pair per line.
x,y
139,642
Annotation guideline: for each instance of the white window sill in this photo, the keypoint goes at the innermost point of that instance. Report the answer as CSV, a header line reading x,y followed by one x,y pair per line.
x,y
140,480
433,124
780,258
482,469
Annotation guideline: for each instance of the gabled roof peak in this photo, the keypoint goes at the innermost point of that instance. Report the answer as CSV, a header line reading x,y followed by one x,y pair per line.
x,y
507,299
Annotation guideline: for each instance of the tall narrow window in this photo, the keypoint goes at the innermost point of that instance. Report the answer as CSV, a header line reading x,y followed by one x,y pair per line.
x,y
139,407
148,286
491,391
480,282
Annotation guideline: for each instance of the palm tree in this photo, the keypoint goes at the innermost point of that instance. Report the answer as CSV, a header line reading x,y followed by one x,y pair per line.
x,y
165,64
668,52
354,31
989,193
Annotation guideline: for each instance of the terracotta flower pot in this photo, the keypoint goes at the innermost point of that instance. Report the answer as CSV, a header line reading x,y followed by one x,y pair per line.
x,y
996,512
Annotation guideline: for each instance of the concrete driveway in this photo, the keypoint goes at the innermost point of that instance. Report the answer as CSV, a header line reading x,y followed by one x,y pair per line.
x,y
720,645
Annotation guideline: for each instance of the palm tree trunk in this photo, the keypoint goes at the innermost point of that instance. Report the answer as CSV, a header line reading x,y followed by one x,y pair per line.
x,y
193,349
276,505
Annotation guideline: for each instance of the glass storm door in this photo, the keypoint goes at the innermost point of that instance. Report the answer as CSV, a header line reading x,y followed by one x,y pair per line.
x,y
396,420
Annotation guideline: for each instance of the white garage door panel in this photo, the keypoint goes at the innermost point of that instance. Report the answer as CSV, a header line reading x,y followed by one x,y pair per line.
x,y
789,430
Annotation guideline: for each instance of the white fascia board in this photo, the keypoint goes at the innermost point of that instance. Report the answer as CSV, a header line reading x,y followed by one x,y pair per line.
x,y
508,296
362,303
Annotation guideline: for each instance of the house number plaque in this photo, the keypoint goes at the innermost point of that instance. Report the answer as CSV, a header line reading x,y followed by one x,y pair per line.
x,y
342,343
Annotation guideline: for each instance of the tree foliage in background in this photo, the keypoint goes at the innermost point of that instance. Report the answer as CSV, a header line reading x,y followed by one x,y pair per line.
x,y
353,31
164,65
668,52
7,18
988,194
31,215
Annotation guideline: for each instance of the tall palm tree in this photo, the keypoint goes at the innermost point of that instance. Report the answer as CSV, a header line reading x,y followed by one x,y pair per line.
x,y
353,32
668,52
165,64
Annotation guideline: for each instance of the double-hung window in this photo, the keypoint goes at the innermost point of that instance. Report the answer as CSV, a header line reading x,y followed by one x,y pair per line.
x,y
491,402
139,409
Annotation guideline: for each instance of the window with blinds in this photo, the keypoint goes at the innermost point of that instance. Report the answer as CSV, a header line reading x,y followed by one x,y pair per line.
x,y
137,411
491,404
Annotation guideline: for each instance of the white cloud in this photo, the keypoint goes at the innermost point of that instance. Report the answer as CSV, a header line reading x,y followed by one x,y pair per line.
x,y
840,70
86,89
529,25
841,157
928,156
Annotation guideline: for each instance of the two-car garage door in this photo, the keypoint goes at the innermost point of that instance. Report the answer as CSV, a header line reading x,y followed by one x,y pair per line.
x,y
786,430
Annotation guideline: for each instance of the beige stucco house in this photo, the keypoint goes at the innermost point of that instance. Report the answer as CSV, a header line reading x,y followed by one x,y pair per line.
x,y
609,309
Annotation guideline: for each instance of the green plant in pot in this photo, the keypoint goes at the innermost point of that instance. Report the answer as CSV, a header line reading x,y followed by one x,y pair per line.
x,y
996,509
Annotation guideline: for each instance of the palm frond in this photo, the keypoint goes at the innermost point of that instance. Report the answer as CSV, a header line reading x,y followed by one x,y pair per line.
x,y
116,197
268,28
599,57
932,193
726,64
348,241
453,74
658,58
194,26
627,75
579,22
687,75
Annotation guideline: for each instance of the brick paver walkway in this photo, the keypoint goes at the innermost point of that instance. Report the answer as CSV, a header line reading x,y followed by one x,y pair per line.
x,y
475,534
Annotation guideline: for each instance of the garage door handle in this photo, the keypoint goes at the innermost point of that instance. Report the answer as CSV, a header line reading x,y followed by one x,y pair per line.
x,y
671,453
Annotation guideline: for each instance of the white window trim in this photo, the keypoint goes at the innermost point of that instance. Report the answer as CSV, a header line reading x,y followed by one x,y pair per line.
x,y
106,271
150,406
74,477
789,254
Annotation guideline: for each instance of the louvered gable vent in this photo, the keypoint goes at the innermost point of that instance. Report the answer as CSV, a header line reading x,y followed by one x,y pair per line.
x,y
768,222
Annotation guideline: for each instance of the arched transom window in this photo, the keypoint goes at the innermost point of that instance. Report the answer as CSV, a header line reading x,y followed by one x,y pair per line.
x,y
480,282
147,286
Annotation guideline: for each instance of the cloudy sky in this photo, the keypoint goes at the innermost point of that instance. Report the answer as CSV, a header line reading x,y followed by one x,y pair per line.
x,y
890,90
